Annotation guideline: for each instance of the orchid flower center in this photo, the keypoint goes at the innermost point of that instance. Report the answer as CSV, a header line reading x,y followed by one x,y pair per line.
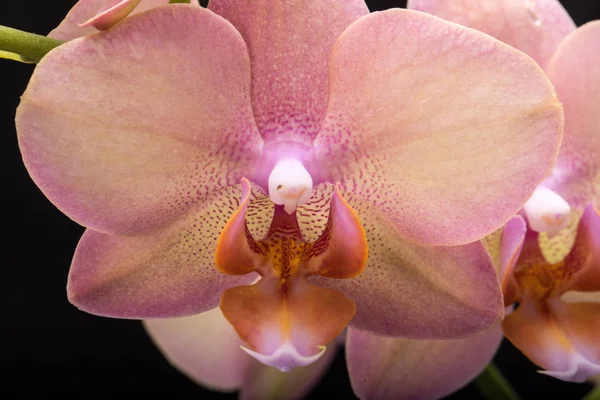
x,y
547,211
285,319
290,184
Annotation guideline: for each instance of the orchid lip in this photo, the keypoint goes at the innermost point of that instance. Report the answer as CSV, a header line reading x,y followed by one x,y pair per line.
x,y
286,357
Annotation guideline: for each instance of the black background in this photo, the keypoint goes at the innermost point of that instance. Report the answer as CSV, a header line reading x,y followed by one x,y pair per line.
x,y
48,346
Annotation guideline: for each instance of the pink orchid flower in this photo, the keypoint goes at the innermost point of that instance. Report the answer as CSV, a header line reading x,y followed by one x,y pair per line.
x,y
557,321
548,330
289,141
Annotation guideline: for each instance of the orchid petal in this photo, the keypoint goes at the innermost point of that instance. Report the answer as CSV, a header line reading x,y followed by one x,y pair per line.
x,y
290,44
170,273
445,129
511,244
389,368
535,27
292,328
206,348
534,329
88,10
419,292
237,252
124,140
575,75
584,257
342,250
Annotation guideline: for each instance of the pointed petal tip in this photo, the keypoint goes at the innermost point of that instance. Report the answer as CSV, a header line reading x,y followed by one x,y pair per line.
x,y
286,357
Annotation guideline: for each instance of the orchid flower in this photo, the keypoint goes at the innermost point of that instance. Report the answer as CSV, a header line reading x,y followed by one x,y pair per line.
x,y
289,141
556,323
548,330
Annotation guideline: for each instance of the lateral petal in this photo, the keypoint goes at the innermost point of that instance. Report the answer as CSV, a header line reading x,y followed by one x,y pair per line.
x,y
122,139
445,129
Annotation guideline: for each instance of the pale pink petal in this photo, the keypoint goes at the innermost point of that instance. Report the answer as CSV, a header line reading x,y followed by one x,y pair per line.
x,y
540,331
290,45
389,368
511,244
170,273
419,292
446,130
207,349
86,10
124,139
204,347
535,27
576,76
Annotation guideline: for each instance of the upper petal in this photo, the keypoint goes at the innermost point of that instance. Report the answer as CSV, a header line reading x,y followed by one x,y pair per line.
x,y
127,129
170,273
535,27
389,368
207,349
290,45
576,76
445,129
86,10
419,292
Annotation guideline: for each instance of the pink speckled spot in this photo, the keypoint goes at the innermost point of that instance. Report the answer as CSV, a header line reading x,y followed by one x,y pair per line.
x,y
89,10
395,368
290,45
576,76
445,130
129,139
535,27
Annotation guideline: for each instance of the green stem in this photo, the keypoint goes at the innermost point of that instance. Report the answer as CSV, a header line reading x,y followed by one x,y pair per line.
x,y
28,46
493,386
593,394
178,1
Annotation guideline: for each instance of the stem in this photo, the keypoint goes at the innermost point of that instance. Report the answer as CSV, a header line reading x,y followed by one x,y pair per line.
x,y
28,46
178,1
593,394
493,386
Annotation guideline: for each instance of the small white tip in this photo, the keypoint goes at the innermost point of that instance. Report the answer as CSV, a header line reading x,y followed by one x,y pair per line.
x,y
546,211
290,184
